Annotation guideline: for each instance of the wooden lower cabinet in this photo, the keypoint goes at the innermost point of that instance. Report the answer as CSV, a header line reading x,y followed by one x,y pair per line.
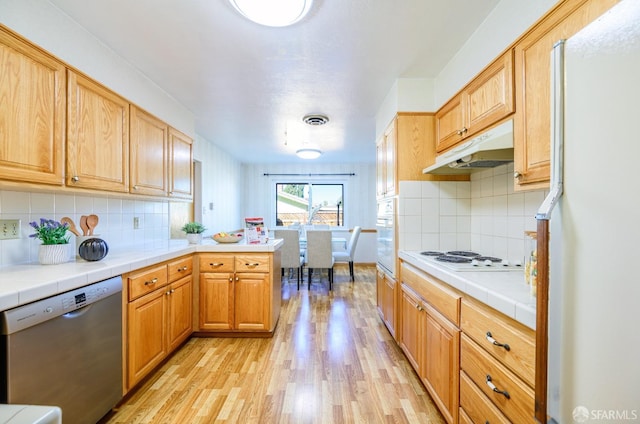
x,y
159,315
476,407
239,293
441,363
180,306
411,328
431,344
146,335
387,290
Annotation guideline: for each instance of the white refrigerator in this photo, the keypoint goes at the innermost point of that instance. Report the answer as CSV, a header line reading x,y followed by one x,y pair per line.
x,y
594,242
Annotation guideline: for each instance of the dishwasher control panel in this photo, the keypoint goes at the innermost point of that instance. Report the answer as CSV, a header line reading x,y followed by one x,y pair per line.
x,y
25,316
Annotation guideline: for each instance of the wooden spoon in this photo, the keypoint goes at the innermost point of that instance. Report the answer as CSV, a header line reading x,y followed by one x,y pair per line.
x,y
72,226
92,222
83,225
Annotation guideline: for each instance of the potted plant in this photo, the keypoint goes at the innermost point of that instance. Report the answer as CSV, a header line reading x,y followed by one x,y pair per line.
x,y
194,231
55,241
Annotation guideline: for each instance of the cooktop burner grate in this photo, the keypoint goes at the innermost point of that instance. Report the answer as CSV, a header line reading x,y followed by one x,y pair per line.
x,y
453,259
464,253
431,253
487,258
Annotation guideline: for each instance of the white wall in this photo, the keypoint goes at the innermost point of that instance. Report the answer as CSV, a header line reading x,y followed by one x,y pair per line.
x,y
222,179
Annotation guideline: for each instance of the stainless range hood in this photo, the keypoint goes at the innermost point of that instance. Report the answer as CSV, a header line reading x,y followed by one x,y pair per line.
x,y
488,150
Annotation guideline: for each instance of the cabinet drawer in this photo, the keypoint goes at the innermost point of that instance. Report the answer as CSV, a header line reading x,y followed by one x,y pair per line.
x,y
216,263
476,405
517,399
486,326
252,263
143,282
179,268
445,300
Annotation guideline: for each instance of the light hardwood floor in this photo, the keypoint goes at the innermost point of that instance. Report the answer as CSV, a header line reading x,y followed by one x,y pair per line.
x,y
331,360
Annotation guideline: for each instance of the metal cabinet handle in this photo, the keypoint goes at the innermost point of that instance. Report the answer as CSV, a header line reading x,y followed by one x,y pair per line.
x,y
459,132
237,278
497,343
230,279
255,264
464,130
153,281
495,389
135,187
184,268
517,175
216,264
75,178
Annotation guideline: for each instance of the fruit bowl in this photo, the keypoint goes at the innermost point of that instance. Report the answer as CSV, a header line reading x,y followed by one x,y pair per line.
x,y
228,237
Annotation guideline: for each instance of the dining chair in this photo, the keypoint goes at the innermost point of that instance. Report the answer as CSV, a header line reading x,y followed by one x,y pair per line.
x,y
348,254
291,258
319,255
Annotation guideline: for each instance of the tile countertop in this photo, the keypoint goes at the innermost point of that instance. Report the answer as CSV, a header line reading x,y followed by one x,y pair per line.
x,y
504,291
21,284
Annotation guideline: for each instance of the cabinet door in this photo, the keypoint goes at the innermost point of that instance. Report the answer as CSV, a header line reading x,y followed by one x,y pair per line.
x,y
216,301
180,303
449,124
532,123
380,292
181,165
441,363
490,95
390,160
412,318
97,136
32,113
251,301
146,333
148,147
389,303
380,167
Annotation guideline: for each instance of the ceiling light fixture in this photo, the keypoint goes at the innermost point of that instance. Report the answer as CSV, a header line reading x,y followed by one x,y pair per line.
x,y
308,153
273,13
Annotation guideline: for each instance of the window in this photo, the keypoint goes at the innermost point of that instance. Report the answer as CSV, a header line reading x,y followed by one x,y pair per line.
x,y
306,203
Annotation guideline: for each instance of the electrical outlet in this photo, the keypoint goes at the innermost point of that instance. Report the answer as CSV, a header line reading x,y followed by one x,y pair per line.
x,y
136,223
9,229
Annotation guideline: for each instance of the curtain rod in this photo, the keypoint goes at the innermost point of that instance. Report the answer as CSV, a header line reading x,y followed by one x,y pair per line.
x,y
352,174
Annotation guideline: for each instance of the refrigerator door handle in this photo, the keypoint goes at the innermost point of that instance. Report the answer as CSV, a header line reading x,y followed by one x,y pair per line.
x,y
557,132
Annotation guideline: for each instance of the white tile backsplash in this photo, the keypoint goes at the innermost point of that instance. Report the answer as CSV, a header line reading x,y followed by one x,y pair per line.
x,y
484,214
115,226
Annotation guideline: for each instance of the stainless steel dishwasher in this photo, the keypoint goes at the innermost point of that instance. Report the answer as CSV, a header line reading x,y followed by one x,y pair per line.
x,y
66,351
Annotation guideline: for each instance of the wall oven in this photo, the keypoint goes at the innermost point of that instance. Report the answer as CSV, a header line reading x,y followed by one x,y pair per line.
x,y
386,234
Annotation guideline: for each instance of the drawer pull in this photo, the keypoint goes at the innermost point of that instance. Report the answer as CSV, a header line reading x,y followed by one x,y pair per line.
x,y
254,264
497,343
184,268
216,264
495,389
153,281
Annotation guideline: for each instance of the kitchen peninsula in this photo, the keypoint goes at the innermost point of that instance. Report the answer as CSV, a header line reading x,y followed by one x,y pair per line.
x,y
169,291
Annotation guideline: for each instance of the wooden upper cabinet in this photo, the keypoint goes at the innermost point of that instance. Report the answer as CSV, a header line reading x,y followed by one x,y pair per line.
x,y
532,123
406,148
97,136
149,154
181,165
32,113
483,102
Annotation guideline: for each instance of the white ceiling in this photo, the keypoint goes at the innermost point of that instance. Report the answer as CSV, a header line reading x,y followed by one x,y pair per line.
x,y
247,84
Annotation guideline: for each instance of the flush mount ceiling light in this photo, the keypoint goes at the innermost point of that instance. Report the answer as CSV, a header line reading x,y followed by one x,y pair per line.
x,y
308,153
274,13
